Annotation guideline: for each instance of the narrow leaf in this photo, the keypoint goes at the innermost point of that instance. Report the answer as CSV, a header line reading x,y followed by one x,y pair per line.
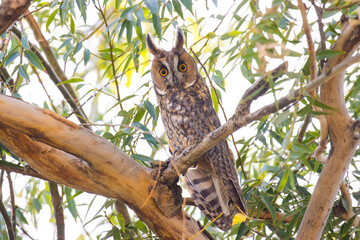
x,y
34,60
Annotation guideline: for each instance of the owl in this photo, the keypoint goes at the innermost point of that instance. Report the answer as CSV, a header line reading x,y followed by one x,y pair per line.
x,y
188,115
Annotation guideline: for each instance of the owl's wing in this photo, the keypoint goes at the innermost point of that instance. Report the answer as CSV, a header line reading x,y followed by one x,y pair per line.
x,y
204,189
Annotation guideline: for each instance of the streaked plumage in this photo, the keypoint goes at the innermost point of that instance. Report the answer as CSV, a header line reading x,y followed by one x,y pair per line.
x,y
188,115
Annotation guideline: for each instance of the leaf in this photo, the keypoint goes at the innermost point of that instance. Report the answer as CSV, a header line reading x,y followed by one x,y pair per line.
x,y
323,106
230,35
23,73
239,218
267,201
153,6
71,80
141,157
36,204
284,179
241,231
157,24
187,4
11,57
86,56
116,233
51,18
151,109
141,226
34,60
328,53
177,7
210,35
25,42
72,25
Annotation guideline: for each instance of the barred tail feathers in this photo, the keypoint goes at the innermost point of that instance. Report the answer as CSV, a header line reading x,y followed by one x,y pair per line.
x,y
210,197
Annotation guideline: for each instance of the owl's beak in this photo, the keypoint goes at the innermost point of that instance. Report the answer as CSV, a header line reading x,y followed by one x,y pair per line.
x,y
176,82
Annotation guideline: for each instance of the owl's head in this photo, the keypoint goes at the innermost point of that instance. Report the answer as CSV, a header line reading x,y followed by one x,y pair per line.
x,y
172,70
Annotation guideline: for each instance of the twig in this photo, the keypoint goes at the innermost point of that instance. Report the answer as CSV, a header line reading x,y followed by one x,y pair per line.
x,y
7,220
28,171
58,210
111,52
13,205
346,6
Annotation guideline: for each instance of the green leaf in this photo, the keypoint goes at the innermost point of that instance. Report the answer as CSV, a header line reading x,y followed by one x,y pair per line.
x,y
116,233
23,73
187,4
72,25
86,56
230,35
267,201
153,6
20,216
25,42
210,35
141,226
284,179
215,101
51,18
11,57
323,106
151,109
71,80
141,157
328,53
36,204
34,60
177,7
157,24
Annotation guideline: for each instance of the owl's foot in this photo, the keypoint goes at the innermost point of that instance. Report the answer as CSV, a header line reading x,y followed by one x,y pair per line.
x,y
166,195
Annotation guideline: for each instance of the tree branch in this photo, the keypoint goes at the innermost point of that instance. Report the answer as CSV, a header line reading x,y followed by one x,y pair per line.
x,y
99,166
341,132
58,211
10,11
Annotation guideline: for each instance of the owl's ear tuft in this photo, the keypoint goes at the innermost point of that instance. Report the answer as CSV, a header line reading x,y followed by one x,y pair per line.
x,y
179,39
151,46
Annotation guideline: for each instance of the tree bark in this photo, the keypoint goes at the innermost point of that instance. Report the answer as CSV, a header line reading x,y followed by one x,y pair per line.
x,y
86,162
10,11
343,141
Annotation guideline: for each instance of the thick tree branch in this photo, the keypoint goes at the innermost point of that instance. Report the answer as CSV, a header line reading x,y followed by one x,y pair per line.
x,y
10,11
99,167
343,142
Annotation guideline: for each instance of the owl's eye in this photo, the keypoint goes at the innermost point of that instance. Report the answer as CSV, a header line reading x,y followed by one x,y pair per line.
x,y
163,72
182,67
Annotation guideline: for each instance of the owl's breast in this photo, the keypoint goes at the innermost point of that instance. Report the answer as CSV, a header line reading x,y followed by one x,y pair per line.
x,y
188,114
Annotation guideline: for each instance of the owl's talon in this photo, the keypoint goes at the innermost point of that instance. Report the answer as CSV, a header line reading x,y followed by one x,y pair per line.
x,y
178,150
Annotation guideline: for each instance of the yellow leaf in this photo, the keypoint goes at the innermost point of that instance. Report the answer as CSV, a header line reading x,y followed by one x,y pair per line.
x,y
239,218
128,75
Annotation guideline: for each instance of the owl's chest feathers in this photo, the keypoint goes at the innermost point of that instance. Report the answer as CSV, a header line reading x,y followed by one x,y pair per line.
x,y
186,114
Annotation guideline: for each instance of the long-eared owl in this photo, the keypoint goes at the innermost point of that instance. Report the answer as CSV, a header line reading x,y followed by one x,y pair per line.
x,y
188,115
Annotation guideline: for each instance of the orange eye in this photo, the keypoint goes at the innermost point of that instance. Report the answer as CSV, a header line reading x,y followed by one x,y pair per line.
x,y
182,67
163,72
